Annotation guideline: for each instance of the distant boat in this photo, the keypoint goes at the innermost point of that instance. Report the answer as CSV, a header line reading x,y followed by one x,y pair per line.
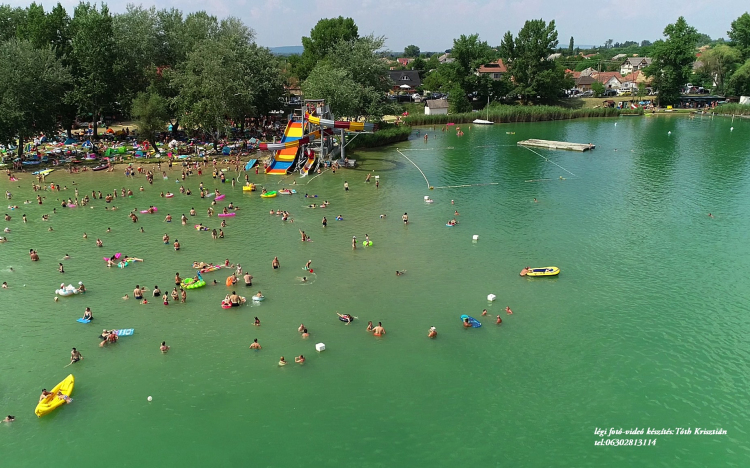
x,y
484,122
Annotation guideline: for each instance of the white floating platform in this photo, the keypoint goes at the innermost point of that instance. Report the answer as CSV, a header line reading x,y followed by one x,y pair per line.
x,y
559,145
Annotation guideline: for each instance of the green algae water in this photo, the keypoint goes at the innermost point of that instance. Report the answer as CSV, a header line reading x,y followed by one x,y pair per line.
x,y
645,327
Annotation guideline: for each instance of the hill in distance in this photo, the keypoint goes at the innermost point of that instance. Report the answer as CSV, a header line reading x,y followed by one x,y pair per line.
x,y
287,50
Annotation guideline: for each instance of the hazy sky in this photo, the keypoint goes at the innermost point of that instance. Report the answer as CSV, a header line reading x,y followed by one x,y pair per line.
x,y
433,24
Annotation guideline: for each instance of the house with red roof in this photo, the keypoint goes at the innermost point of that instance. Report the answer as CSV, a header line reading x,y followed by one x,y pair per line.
x,y
494,70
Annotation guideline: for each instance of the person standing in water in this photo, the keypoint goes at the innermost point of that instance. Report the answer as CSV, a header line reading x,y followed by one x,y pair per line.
x,y
379,330
346,186
255,344
275,263
405,217
75,356
432,333
164,348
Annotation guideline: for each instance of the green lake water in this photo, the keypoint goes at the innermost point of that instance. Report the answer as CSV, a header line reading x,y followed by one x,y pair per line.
x,y
646,326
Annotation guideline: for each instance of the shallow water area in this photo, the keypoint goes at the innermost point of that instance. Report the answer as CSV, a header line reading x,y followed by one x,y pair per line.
x,y
645,326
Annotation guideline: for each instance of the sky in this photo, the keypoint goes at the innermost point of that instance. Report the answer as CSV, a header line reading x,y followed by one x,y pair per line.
x,y
433,24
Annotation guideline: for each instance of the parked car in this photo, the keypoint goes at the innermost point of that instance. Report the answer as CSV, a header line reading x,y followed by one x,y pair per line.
x,y
587,94
609,92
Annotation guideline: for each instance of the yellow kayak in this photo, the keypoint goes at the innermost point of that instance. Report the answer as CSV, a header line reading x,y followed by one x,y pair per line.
x,y
546,271
52,401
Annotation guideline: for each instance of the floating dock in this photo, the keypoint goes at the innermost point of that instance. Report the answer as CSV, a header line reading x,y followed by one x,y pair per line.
x,y
557,145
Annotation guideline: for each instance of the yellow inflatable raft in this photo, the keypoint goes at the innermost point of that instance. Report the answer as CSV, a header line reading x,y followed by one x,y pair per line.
x,y
52,401
546,271
248,188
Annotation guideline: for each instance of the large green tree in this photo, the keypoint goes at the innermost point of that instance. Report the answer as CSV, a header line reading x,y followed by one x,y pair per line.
x,y
718,64
535,78
411,51
323,37
93,58
357,64
32,85
151,112
673,60
740,34
226,78
739,83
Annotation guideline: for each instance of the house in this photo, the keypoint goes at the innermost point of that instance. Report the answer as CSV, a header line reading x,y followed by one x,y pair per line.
x,y
610,80
404,80
435,107
495,70
588,72
634,63
554,56
403,61
446,58
583,83
619,56
633,80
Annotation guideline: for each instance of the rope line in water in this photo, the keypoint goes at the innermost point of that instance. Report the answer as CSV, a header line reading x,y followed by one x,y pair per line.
x,y
549,161
316,175
427,149
420,170
467,185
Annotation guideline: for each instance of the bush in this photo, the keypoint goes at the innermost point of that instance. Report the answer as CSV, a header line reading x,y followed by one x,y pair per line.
x,y
732,109
510,114
385,135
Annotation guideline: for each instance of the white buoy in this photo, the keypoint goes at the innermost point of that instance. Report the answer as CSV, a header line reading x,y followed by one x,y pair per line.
x,y
149,398
669,132
615,124
475,237
731,129
320,347
426,197
491,297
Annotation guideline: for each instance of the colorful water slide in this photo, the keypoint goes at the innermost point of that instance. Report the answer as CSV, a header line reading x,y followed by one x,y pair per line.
x,y
284,158
351,126
308,164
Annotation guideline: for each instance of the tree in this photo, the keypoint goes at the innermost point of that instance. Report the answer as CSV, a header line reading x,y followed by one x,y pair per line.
x,y
323,37
608,44
151,112
719,63
31,87
411,51
93,55
598,88
673,59
535,77
457,100
740,34
570,46
739,83
363,77
645,43
227,77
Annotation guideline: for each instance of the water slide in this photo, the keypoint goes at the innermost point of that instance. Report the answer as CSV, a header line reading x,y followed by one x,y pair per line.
x,y
308,164
284,158
341,124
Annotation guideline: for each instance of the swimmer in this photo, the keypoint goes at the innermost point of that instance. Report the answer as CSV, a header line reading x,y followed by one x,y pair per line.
x,y
66,257
301,327
9,419
164,348
300,359
125,297
535,201
255,344
405,218
305,334
257,322
710,215
499,320
307,265
399,273
75,356
484,312
282,362
379,330
345,318
5,285
507,309
370,326
275,263
432,333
